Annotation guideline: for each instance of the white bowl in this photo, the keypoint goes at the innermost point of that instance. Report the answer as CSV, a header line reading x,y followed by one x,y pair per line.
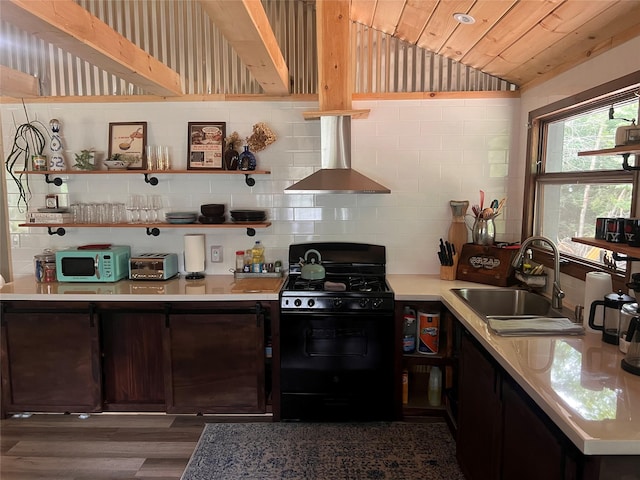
x,y
115,164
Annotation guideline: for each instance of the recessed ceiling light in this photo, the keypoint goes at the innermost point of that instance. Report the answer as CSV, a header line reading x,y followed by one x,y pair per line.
x,y
464,18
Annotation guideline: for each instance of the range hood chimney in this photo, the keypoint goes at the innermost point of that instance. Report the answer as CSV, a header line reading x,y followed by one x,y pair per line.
x,y
334,97
336,175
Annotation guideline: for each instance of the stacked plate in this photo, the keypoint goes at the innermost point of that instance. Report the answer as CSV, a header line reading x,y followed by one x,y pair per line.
x,y
212,213
248,215
181,217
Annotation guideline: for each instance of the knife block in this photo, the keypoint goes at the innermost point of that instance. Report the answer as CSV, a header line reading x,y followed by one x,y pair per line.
x,y
486,264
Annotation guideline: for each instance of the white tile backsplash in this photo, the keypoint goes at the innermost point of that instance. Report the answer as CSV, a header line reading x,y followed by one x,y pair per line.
x,y
426,151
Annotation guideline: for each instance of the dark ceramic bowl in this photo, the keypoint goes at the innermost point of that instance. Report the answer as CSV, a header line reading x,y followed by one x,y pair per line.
x,y
212,209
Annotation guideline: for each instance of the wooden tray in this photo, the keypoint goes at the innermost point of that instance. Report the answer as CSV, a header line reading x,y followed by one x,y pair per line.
x,y
257,285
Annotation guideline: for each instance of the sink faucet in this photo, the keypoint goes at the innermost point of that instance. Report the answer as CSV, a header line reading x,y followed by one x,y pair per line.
x,y
557,294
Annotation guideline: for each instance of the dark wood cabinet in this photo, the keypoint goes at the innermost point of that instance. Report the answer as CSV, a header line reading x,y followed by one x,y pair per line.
x,y
132,362
502,434
180,357
530,442
215,359
50,358
478,440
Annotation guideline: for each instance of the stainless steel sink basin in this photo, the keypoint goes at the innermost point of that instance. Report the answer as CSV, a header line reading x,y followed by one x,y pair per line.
x,y
507,303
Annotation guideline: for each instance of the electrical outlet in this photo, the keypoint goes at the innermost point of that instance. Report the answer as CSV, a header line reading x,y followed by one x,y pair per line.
x,y
15,240
216,254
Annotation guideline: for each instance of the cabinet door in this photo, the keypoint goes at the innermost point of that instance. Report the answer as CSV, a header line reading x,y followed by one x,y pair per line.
x,y
215,362
478,414
531,450
132,360
50,361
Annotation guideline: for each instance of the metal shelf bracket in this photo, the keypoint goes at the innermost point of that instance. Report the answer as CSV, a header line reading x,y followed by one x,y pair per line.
x,y
251,232
58,231
624,258
56,181
153,231
250,181
150,180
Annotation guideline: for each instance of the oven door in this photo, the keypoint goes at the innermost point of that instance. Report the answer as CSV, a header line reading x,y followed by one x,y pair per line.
x,y
336,367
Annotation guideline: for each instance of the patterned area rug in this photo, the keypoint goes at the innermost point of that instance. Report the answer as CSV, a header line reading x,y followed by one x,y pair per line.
x,y
324,451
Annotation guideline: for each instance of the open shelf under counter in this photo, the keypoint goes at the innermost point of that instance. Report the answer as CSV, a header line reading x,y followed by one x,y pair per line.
x,y
613,247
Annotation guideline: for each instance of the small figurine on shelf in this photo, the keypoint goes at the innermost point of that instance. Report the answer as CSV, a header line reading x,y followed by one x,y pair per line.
x,y
56,162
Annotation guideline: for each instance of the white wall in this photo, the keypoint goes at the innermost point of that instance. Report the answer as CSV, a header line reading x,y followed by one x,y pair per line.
x,y
613,64
427,152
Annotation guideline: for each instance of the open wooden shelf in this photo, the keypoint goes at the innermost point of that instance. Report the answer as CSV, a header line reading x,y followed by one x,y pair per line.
x,y
151,228
626,149
613,247
134,172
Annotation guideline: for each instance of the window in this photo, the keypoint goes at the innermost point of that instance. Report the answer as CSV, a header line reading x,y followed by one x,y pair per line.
x,y
567,192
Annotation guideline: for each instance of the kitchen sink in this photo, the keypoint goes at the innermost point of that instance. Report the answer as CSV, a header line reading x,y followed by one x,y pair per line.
x,y
506,303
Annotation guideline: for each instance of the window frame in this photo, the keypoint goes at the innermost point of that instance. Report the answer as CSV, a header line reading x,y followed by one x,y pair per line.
x,y
600,96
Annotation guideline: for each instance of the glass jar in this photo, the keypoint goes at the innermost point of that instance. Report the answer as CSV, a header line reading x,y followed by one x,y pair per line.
x,y
239,260
45,267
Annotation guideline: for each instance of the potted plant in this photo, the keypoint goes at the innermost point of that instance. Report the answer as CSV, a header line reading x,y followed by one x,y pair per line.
x,y
118,161
85,159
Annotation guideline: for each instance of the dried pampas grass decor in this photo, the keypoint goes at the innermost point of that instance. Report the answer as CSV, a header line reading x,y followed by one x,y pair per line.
x,y
261,137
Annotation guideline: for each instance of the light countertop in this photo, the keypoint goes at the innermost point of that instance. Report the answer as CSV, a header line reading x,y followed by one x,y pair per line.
x,y
576,380
211,288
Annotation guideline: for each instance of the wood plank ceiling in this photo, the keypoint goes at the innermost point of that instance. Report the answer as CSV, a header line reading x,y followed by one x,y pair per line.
x,y
517,40
521,41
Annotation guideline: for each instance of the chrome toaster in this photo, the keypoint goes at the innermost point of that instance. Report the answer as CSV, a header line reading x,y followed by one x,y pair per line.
x,y
153,266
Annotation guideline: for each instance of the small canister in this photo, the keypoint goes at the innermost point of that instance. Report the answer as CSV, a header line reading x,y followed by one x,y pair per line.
x,y
428,333
239,260
45,267
39,163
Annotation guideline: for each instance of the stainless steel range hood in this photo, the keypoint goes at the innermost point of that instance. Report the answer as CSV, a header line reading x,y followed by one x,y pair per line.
x,y
336,175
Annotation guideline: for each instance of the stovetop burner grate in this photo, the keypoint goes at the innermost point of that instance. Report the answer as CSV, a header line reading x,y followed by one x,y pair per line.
x,y
348,284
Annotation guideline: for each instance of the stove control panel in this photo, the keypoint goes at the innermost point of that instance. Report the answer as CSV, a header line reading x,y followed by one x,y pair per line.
x,y
334,304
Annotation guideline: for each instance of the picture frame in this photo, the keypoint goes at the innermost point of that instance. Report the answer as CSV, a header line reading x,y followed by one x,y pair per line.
x,y
205,145
129,139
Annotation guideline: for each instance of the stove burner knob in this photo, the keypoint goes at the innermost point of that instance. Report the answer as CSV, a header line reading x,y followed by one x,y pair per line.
x,y
311,302
337,302
297,302
377,303
364,302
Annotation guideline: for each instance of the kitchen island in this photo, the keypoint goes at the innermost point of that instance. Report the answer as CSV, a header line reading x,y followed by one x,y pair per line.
x,y
564,375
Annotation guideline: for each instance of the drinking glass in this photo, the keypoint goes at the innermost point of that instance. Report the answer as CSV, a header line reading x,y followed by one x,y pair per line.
x,y
152,159
133,206
156,206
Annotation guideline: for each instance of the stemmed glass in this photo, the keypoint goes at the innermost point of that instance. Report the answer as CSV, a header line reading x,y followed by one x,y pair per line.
x,y
145,207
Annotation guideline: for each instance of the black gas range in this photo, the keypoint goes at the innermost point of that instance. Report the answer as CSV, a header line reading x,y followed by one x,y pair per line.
x,y
337,335
354,279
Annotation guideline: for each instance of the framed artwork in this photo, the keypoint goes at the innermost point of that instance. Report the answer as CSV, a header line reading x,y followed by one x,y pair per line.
x,y
205,145
129,139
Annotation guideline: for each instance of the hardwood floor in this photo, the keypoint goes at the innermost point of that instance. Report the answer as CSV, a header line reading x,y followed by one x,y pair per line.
x,y
103,446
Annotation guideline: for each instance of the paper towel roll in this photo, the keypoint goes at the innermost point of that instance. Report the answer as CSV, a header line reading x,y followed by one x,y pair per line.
x,y
597,286
194,253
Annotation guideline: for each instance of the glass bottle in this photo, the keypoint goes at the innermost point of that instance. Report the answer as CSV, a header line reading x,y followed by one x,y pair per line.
x,y
435,387
239,260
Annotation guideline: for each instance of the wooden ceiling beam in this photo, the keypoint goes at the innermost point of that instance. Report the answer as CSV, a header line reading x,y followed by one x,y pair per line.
x,y
246,27
14,83
68,26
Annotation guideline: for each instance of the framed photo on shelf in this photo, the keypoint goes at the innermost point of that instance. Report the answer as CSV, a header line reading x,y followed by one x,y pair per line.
x,y
205,145
129,139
